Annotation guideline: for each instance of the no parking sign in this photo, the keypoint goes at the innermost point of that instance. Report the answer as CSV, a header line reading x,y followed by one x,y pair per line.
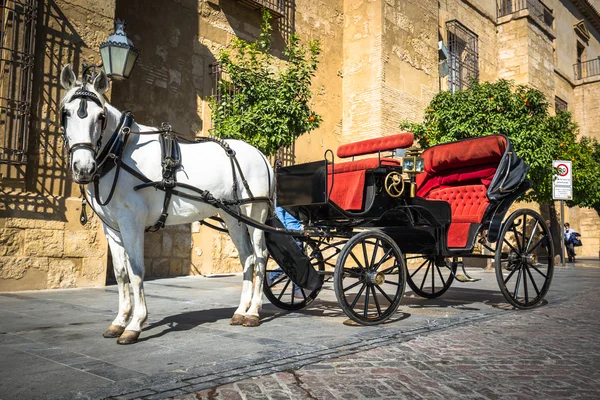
x,y
562,183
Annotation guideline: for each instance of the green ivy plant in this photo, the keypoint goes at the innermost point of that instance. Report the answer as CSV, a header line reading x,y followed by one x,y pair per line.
x,y
521,113
264,105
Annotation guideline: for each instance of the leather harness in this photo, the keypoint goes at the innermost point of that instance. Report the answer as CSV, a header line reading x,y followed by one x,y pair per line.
x,y
111,157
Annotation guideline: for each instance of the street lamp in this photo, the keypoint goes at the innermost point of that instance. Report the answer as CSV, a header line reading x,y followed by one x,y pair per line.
x,y
118,53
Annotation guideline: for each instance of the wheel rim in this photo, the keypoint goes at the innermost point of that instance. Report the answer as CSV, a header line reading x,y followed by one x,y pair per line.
x,y
524,259
432,276
370,276
282,292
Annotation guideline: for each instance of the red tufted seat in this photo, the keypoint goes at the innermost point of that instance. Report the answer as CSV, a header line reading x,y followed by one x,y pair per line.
x,y
468,204
460,174
347,185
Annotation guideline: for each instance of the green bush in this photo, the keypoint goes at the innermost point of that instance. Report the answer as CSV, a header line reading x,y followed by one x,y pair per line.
x,y
521,113
266,106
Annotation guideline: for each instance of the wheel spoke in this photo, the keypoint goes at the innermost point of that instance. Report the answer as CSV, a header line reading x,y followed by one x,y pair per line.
x,y
537,244
417,270
356,260
509,276
441,277
376,301
384,293
358,295
538,271
511,246
390,269
278,280
516,234
531,237
375,252
385,257
524,230
516,292
366,309
283,291
433,277
425,276
532,281
525,283
364,249
355,284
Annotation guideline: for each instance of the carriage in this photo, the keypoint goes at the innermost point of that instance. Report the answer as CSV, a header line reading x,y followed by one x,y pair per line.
x,y
376,223
372,224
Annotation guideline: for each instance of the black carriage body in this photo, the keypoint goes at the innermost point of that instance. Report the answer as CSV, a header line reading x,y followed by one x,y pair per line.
x,y
417,224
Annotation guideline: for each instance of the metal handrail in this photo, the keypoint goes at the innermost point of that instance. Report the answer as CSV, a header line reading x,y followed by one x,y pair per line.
x,y
587,68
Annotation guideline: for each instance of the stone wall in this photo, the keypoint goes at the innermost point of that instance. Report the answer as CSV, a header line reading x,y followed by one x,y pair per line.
x,y
410,61
42,244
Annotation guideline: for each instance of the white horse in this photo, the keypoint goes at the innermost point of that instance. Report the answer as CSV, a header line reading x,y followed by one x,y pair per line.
x,y
88,123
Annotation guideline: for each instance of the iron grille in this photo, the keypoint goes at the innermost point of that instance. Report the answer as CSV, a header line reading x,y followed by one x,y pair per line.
x,y
17,41
535,7
463,60
275,7
560,105
587,68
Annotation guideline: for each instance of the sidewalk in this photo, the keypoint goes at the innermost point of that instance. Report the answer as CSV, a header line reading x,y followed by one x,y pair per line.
x,y
51,342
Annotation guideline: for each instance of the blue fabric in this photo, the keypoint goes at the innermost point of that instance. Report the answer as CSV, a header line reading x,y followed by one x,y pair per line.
x,y
288,220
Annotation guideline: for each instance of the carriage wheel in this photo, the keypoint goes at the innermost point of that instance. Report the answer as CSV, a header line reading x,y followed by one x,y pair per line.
x,y
283,293
432,277
524,259
369,277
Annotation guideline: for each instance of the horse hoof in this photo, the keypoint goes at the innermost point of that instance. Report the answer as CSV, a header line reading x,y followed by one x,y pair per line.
x,y
237,319
113,331
251,321
128,337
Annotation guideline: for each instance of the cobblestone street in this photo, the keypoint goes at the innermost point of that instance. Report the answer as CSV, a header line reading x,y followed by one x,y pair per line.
x,y
467,344
548,353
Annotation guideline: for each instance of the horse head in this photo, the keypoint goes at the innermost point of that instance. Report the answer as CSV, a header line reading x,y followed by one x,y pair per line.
x,y
83,119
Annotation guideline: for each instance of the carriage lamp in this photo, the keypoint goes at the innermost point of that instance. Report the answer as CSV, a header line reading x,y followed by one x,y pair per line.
x,y
118,53
413,164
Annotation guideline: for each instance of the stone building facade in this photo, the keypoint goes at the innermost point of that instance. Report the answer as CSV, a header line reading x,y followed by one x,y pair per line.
x,y
381,63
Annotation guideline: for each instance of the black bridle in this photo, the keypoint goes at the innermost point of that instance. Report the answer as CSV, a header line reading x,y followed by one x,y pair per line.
x,y
84,96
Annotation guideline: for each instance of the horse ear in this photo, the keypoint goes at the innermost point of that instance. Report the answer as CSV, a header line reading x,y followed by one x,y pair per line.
x,y
67,77
101,82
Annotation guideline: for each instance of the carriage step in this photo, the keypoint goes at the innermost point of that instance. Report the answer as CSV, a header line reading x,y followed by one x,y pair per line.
x,y
462,278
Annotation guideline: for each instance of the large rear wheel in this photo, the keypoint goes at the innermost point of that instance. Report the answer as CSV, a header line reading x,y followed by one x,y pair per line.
x,y
524,259
369,278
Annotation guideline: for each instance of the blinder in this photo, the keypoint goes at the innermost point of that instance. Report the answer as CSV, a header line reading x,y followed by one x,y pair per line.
x,y
84,96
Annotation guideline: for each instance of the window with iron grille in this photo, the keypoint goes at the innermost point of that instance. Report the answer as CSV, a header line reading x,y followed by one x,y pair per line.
x,y
463,60
560,104
17,38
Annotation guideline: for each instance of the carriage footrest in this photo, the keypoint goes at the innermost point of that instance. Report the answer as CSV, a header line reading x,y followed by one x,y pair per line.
x,y
289,256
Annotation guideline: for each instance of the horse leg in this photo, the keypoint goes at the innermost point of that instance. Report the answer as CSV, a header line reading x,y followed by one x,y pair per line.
x,y
115,243
239,235
133,239
258,212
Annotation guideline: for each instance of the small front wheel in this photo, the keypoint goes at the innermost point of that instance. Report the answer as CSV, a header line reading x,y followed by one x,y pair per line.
x,y
285,294
370,277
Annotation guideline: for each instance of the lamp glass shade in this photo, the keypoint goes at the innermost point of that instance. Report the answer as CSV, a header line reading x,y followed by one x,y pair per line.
x,y
118,58
131,59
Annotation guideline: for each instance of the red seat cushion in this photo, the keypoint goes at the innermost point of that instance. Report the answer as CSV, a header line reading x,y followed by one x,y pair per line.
x,y
349,181
468,204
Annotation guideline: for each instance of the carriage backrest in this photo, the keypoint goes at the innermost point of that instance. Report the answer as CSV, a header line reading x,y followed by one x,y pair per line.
x,y
466,162
387,143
